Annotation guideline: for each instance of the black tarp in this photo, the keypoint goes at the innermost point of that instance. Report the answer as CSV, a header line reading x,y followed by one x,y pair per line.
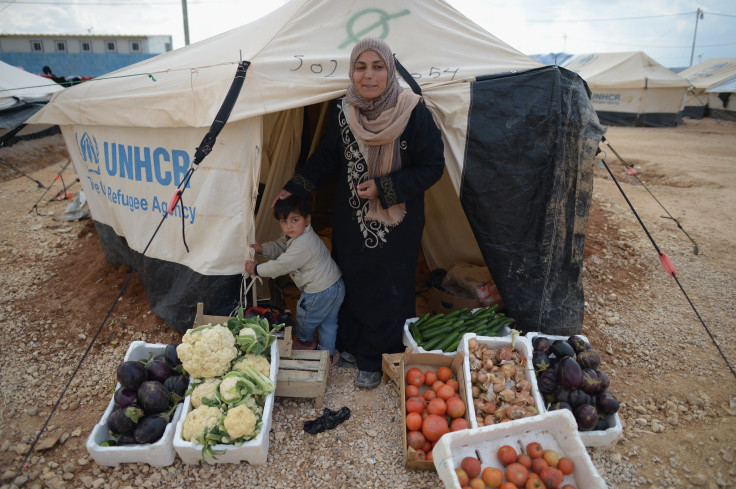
x,y
526,189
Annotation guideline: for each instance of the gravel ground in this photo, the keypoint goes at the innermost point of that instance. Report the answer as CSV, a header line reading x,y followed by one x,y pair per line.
x,y
678,399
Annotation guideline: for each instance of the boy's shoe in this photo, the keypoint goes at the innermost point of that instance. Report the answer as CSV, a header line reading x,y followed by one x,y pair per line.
x,y
300,345
369,380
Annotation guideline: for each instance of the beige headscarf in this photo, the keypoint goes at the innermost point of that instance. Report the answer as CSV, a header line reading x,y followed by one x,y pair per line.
x,y
378,123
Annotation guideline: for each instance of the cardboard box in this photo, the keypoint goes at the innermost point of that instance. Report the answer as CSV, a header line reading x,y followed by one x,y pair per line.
x,y
555,430
426,361
254,451
442,302
597,438
159,454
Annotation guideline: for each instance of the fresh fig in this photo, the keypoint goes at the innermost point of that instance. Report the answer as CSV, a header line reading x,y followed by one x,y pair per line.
x,y
589,359
591,384
586,416
578,343
540,361
561,349
541,344
607,403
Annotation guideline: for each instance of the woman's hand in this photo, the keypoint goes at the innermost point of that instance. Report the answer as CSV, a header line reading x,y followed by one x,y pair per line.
x,y
368,190
257,247
281,196
250,267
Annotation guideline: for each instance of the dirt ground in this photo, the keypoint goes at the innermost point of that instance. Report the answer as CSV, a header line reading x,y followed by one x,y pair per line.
x,y
678,396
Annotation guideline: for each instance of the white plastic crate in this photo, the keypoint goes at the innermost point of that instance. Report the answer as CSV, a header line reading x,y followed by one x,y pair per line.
x,y
596,438
254,451
521,344
555,430
159,454
410,343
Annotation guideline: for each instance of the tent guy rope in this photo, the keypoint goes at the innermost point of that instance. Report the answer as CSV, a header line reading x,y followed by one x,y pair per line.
x,y
669,267
631,171
201,152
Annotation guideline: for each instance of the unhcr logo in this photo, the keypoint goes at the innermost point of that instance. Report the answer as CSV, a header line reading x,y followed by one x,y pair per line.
x,y
578,63
89,152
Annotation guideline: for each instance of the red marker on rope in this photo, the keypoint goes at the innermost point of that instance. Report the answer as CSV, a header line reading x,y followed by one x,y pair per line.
x,y
667,263
174,200
630,170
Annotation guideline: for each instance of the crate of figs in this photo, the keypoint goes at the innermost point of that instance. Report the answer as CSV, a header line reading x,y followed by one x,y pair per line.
x,y
570,376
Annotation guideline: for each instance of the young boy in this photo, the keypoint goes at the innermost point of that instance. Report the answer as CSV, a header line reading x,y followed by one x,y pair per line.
x,y
302,254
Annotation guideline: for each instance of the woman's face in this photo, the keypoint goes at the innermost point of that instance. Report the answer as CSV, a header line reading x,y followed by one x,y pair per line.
x,y
370,75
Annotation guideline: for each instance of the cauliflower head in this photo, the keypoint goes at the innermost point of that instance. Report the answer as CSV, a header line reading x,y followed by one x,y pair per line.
x,y
206,389
198,420
229,389
258,362
240,421
207,351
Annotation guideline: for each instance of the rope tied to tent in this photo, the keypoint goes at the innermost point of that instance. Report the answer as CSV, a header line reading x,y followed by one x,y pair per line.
x,y
669,267
631,171
215,129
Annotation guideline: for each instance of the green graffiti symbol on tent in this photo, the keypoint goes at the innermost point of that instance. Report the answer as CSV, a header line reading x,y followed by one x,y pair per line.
x,y
380,22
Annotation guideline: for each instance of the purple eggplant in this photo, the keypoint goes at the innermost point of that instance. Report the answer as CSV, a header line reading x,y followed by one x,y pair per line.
x,y
124,420
561,349
131,374
177,384
569,373
540,361
603,377
124,397
578,397
159,370
556,406
541,344
591,383
154,397
170,355
586,416
151,429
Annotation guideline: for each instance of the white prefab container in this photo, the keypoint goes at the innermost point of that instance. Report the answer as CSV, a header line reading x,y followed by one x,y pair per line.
x,y
254,451
555,430
411,343
596,438
519,343
159,454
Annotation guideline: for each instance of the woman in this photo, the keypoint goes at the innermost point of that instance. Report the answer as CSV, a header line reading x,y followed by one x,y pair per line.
x,y
384,146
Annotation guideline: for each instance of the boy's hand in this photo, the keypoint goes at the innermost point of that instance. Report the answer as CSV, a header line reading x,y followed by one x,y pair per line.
x,y
250,267
257,246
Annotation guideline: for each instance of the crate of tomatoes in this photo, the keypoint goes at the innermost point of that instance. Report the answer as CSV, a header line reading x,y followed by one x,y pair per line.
x,y
536,452
432,402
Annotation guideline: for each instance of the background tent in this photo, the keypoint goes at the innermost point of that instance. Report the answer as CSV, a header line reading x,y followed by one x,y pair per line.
x,y
519,145
631,89
722,100
22,94
703,76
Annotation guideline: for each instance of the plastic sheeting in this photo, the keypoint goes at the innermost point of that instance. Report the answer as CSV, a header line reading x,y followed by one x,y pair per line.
x,y
527,188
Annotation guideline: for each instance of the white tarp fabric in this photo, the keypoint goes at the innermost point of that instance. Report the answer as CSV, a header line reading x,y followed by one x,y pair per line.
x,y
703,76
19,85
722,100
630,88
299,55
518,139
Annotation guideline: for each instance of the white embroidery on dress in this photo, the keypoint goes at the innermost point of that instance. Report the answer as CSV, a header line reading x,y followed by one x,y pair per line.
x,y
374,232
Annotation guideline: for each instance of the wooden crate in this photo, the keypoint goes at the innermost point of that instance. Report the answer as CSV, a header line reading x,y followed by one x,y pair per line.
x,y
201,318
304,374
391,366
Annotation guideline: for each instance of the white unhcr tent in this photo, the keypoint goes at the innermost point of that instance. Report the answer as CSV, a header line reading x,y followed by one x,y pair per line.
x,y
722,100
702,77
22,94
132,133
631,89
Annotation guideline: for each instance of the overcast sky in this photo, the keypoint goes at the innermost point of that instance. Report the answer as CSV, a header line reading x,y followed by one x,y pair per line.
x,y
663,29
